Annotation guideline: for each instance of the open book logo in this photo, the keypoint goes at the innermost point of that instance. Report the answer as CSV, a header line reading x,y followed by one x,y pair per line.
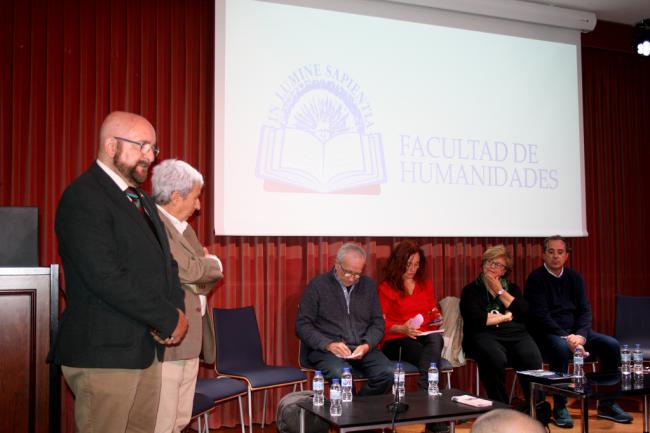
x,y
317,139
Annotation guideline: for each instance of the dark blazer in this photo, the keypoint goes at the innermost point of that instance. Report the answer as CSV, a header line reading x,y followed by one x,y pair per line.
x,y
121,280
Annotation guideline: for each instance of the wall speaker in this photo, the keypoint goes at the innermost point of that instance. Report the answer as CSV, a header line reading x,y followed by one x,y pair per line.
x,y
19,236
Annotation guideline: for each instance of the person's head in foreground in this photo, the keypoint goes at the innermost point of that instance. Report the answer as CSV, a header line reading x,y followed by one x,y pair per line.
x,y
506,421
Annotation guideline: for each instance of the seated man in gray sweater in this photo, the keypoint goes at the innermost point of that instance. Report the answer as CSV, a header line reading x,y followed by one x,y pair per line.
x,y
340,322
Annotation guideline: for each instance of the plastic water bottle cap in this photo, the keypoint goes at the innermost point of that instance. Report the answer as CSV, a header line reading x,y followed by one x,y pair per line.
x,y
318,372
433,364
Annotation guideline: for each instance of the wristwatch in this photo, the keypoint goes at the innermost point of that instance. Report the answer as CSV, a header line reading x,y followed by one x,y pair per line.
x,y
500,292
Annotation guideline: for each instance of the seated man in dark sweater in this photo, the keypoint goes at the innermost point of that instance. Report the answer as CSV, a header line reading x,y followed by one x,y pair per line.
x,y
340,322
560,322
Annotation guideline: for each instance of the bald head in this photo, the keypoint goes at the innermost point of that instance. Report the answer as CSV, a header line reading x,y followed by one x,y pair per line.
x,y
506,421
120,138
123,124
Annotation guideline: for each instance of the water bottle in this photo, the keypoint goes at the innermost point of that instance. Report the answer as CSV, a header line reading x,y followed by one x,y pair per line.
x,y
626,360
318,385
637,360
638,381
395,378
346,385
578,363
626,382
578,383
336,408
399,381
433,377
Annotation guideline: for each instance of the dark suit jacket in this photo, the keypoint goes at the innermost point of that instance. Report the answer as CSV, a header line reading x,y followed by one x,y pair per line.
x,y
121,280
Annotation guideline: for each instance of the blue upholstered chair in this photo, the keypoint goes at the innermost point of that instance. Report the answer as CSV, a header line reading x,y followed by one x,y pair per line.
x,y
218,390
201,407
239,355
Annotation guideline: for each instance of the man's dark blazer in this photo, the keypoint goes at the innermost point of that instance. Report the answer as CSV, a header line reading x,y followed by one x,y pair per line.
x,y
121,280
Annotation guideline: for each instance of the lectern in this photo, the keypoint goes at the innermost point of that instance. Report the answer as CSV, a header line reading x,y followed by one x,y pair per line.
x,y
29,401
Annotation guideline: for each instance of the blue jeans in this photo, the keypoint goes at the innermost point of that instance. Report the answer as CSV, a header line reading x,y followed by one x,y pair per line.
x,y
555,351
374,366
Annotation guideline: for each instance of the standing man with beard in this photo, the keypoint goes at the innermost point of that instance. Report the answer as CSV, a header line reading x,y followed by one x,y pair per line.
x,y
124,302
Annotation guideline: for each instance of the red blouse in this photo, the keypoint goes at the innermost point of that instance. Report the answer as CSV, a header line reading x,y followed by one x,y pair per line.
x,y
398,309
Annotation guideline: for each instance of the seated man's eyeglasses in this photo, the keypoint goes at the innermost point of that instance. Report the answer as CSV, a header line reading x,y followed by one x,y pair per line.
x,y
144,147
350,274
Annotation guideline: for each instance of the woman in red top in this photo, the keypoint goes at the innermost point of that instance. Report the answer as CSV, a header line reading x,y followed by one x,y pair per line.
x,y
410,311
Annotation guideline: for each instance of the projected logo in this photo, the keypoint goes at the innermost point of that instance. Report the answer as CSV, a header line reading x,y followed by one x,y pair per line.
x,y
317,139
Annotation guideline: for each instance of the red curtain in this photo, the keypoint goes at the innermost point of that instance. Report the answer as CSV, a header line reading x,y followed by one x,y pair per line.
x,y
67,63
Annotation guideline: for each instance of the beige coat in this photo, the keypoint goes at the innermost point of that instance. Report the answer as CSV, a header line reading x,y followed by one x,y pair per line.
x,y
453,336
198,275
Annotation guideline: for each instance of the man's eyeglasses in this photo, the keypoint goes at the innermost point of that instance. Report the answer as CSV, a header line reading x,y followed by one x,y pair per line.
x,y
496,265
350,274
144,147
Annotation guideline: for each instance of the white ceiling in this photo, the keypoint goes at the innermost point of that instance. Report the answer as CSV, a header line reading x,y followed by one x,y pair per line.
x,y
618,11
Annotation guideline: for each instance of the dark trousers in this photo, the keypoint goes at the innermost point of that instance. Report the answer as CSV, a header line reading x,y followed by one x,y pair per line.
x,y
494,354
557,353
374,366
420,352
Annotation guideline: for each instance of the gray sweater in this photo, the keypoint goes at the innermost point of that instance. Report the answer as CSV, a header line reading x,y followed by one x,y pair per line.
x,y
323,314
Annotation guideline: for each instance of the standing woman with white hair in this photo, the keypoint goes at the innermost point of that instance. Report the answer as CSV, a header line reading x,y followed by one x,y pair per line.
x,y
176,189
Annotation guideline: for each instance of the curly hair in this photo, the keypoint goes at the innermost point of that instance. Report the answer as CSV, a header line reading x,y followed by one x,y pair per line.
x,y
398,262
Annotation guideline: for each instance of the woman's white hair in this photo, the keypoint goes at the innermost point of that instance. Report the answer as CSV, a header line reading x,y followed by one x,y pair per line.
x,y
173,175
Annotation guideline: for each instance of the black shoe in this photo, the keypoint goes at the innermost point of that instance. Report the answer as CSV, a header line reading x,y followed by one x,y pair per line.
x,y
612,411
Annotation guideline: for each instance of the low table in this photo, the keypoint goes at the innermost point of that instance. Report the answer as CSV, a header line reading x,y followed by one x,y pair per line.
x,y
370,412
596,386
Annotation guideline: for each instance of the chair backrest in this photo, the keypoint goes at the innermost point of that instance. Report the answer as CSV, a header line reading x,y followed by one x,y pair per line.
x,y
631,325
303,361
237,340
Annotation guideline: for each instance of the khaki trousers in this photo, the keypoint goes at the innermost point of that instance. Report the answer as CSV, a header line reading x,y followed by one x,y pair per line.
x,y
176,395
114,400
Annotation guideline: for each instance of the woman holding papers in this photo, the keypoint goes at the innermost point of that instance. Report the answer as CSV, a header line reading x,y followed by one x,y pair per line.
x,y
409,307
494,332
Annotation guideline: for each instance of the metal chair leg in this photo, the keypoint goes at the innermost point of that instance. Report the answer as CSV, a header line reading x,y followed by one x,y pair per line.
x,y
448,373
250,411
512,390
241,415
203,420
264,409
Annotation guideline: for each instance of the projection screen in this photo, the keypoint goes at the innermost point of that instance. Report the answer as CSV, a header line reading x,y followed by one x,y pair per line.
x,y
370,118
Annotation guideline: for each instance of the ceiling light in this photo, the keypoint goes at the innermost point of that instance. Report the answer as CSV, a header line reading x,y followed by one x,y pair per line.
x,y
642,37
